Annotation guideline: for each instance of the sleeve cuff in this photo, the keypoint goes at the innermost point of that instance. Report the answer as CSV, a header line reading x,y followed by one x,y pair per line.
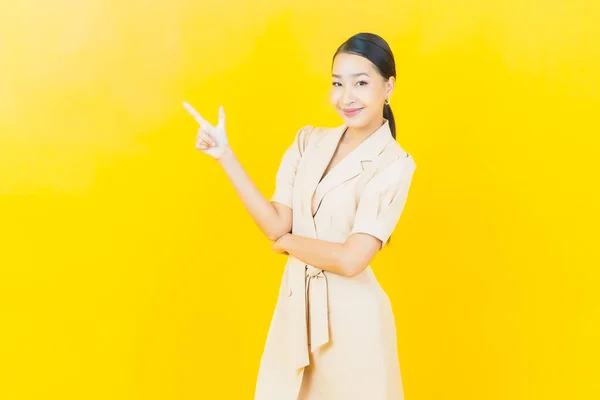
x,y
374,229
286,201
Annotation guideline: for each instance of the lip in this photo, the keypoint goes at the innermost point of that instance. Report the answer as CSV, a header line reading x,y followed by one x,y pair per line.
x,y
351,112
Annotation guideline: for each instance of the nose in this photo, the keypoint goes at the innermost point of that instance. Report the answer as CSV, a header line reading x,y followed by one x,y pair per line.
x,y
347,96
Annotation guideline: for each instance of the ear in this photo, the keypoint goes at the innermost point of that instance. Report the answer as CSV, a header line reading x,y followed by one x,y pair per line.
x,y
389,86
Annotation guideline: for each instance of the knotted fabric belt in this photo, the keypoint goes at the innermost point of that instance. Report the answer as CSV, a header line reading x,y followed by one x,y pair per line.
x,y
308,316
316,308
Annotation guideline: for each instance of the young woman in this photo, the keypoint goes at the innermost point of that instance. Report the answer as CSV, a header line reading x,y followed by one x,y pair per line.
x,y
339,195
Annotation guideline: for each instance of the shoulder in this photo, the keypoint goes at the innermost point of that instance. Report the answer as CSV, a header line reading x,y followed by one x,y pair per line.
x,y
392,169
394,159
309,135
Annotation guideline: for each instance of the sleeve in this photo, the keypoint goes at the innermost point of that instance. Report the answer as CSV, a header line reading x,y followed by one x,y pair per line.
x,y
286,174
383,199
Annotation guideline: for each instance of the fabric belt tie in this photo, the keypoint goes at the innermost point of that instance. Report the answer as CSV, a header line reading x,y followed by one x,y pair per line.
x,y
316,307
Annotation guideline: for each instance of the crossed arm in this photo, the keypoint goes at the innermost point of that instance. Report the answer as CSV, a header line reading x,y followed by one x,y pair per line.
x,y
347,259
275,221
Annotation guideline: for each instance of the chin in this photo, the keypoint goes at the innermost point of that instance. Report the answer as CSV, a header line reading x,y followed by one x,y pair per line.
x,y
355,122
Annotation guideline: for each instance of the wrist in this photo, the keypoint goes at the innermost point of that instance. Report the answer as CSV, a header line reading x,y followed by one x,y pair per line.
x,y
284,239
227,156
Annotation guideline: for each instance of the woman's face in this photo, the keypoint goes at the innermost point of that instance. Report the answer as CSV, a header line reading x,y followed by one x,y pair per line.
x,y
358,90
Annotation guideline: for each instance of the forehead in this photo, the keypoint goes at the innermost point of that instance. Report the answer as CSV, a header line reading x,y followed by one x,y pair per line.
x,y
347,64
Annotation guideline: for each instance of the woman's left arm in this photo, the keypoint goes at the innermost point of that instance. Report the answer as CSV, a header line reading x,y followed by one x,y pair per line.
x,y
378,212
347,259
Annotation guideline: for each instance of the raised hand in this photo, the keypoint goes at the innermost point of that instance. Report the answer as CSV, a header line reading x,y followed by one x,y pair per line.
x,y
211,140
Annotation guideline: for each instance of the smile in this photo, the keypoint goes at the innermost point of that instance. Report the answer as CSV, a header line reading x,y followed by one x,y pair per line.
x,y
351,112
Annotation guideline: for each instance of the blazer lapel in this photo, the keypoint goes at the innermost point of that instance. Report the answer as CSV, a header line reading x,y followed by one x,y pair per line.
x,y
317,163
351,165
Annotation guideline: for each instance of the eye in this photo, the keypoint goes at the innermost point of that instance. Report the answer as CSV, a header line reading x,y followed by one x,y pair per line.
x,y
362,83
336,84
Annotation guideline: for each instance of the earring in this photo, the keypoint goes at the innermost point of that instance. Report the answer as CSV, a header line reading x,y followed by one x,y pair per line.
x,y
387,101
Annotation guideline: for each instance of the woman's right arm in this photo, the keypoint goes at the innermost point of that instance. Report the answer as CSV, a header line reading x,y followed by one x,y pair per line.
x,y
273,219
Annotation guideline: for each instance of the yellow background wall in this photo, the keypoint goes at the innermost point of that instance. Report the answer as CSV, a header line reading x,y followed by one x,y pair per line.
x,y
129,269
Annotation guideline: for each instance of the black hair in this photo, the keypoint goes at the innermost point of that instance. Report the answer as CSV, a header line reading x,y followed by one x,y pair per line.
x,y
375,49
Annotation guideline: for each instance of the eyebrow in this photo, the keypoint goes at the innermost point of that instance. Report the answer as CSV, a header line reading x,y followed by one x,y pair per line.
x,y
353,75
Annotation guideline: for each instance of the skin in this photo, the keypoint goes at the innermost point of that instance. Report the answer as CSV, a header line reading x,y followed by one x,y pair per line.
x,y
356,83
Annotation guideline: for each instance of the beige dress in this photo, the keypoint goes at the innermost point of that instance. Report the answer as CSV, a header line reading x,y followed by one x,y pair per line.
x,y
333,337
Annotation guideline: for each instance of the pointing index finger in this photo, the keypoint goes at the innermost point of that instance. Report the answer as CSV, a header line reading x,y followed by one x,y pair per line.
x,y
195,114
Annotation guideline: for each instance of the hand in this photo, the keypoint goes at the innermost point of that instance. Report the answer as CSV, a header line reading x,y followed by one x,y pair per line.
x,y
276,245
211,140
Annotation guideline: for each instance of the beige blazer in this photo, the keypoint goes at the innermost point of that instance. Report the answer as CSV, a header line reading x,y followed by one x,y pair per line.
x,y
365,192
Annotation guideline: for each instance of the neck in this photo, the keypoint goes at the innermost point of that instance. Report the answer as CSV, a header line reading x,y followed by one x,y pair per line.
x,y
361,133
